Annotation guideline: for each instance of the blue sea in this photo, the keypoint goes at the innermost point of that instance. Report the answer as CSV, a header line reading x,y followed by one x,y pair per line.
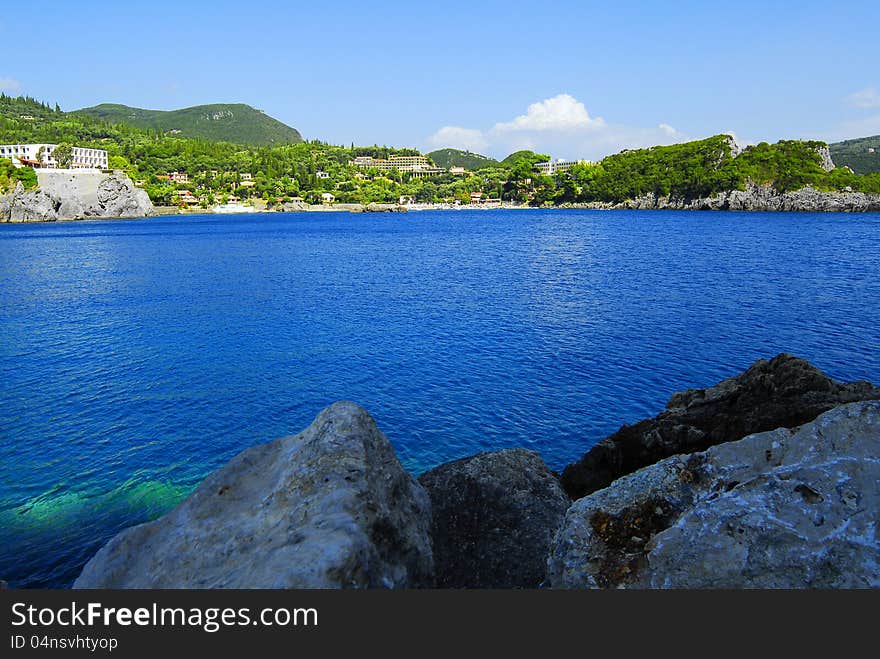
x,y
136,356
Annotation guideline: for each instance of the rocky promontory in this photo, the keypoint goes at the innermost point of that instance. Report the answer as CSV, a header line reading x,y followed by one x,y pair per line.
x,y
767,479
75,195
754,198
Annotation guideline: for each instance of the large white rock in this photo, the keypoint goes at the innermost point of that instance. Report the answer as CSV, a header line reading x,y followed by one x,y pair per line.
x,y
781,509
75,194
328,508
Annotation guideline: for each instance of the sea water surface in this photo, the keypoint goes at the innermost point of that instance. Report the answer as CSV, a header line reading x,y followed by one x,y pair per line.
x,y
137,356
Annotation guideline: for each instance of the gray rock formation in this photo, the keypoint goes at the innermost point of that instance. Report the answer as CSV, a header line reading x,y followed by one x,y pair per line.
x,y
825,155
735,149
494,517
782,392
71,195
118,197
328,508
780,509
375,207
27,206
761,198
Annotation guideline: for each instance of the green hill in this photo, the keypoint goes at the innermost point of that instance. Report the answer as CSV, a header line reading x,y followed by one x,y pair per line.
x,y
458,158
531,156
856,154
220,122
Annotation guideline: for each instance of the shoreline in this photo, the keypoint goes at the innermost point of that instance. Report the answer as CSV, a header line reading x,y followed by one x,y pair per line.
x,y
165,211
623,504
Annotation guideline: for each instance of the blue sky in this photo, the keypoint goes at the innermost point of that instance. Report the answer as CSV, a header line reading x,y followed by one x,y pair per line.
x,y
576,79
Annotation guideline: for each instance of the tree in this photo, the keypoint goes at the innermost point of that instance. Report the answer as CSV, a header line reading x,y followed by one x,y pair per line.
x,y
63,154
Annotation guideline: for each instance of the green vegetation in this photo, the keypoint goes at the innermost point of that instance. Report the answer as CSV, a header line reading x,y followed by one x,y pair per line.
x,y
63,155
223,171
518,156
457,158
10,175
704,168
221,122
858,154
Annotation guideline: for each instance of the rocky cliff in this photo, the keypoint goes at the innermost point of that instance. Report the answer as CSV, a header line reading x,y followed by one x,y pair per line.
x,y
74,195
735,486
754,198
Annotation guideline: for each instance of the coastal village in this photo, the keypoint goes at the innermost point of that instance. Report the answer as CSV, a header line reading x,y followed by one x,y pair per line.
x,y
225,191
199,162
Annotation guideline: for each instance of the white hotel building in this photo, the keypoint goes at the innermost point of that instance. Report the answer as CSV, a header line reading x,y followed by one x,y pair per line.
x,y
555,166
418,166
26,154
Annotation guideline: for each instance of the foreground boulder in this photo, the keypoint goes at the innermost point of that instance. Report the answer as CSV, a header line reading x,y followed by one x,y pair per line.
x,y
494,517
328,508
780,393
782,509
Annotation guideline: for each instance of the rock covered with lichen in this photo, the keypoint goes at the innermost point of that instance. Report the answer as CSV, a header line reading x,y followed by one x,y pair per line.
x,y
788,508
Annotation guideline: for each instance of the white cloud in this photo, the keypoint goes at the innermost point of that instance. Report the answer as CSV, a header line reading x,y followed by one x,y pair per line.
x,y
868,98
10,85
562,112
561,127
469,139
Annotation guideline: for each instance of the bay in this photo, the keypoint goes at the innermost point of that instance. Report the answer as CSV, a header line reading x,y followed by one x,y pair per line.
x,y
138,355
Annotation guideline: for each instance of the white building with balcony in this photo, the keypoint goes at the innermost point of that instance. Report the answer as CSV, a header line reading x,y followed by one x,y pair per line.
x,y
40,155
551,167
418,166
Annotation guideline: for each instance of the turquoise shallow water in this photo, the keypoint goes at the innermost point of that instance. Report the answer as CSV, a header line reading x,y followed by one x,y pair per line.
x,y
136,356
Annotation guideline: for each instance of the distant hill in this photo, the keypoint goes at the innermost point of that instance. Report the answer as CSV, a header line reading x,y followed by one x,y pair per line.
x,y
458,158
856,154
220,122
531,156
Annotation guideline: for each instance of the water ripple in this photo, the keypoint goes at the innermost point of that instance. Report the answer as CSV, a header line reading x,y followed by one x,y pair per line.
x,y
136,356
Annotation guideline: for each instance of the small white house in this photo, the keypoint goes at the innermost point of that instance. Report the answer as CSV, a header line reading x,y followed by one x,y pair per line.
x,y
327,197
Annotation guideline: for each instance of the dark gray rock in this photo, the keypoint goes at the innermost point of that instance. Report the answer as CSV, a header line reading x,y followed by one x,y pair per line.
x,y
494,516
779,393
793,508
328,508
